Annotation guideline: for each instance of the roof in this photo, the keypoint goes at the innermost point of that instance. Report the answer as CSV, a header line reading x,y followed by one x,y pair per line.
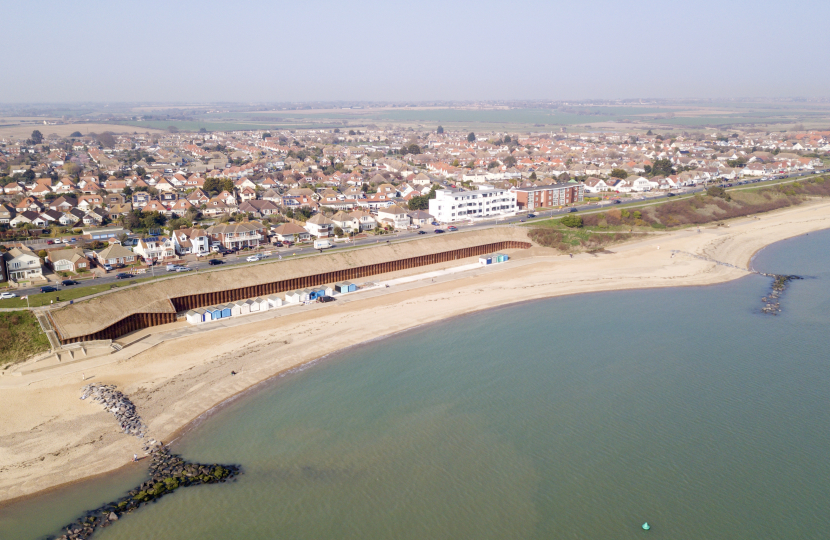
x,y
115,251
319,219
235,227
289,228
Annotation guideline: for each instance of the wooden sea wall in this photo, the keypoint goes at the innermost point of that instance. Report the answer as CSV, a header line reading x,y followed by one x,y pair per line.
x,y
138,321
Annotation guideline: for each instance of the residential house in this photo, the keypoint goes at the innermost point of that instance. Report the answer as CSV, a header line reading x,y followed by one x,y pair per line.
x,y
6,214
346,221
259,208
115,254
155,248
319,226
27,216
394,216
65,204
68,260
237,235
420,218
22,263
191,241
180,207
366,220
291,232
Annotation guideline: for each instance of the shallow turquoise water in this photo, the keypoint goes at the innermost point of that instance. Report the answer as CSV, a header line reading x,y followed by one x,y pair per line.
x,y
576,417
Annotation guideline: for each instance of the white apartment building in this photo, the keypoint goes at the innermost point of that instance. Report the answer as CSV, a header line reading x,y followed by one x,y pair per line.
x,y
451,205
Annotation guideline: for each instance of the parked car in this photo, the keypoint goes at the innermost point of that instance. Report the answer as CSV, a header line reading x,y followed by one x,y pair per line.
x,y
123,275
438,231
7,295
253,258
49,288
324,299
107,267
214,262
50,242
669,194
68,282
183,269
422,232
531,215
452,228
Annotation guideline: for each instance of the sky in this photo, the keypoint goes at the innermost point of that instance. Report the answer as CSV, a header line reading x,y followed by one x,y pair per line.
x,y
272,51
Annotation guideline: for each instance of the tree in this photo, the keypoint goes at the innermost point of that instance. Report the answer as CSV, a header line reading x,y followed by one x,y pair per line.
x,y
107,139
140,172
662,167
37,137
413,149
76,134
471,137
351,132
202,130
649,132
42,254
419,202
432,191
509,161
153,220
440,130
265,135
572,221
172,129
619,173
507,139
338,231
532,176
492,164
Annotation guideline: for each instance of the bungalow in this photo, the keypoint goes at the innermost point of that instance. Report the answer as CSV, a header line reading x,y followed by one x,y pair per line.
x,y
291,232
6,213
259,208
319,226
421,218
68,260
115,254
22,218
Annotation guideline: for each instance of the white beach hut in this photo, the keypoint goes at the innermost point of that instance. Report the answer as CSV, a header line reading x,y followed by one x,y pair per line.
x,y
254,306
194,317
244,307
274,301
236,308
263,304
249,306
292,297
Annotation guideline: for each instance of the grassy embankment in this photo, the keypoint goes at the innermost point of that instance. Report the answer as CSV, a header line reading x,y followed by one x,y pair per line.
x,y
20,337
614,225
69,293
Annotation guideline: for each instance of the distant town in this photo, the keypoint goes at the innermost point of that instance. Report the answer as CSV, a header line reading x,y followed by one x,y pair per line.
x,y
100,202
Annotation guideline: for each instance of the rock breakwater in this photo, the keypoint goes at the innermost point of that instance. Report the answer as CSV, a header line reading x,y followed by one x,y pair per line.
x,y
772,301
168,472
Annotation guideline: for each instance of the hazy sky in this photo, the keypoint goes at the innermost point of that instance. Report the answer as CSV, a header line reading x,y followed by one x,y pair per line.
x,y
259,50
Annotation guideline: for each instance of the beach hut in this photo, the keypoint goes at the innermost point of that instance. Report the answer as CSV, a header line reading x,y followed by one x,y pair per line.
x,y
274,301
226,310
292,297
236,308
310,294
262,303
248,306
345,287
484,260
193,317
213,313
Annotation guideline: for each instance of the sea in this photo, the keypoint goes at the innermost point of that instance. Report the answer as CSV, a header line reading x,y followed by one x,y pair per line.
x,y
579,417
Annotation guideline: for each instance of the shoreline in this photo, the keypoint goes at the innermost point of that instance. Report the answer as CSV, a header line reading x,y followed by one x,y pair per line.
x,y
135,374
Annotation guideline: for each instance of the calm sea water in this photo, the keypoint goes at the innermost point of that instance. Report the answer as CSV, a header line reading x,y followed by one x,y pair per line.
x,y
577,417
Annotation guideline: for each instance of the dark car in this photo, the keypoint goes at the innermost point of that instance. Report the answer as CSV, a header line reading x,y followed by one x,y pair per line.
x,y
439,231
616,201
531,215
49,288
68,282
572,210
123,275
214,262
422,232
452,228
669,194
325,299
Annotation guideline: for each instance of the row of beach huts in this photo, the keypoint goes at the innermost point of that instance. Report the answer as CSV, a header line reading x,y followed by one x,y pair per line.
x,y
255,305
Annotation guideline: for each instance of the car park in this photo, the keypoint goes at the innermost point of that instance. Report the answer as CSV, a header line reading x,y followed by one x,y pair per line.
x,y
68,282
214,262
7,295
48,288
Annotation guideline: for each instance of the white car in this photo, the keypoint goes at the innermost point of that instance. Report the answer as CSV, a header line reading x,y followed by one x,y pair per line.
x,y
253,258
7,295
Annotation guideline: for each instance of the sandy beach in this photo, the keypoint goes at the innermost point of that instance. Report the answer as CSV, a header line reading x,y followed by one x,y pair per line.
x,y
48,436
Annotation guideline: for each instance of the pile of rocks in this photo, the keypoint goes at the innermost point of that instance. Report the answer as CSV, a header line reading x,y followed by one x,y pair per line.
x,y
168,472
119,405
772,302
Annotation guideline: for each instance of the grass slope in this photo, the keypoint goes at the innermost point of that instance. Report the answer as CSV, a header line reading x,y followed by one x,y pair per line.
x,y
20,337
